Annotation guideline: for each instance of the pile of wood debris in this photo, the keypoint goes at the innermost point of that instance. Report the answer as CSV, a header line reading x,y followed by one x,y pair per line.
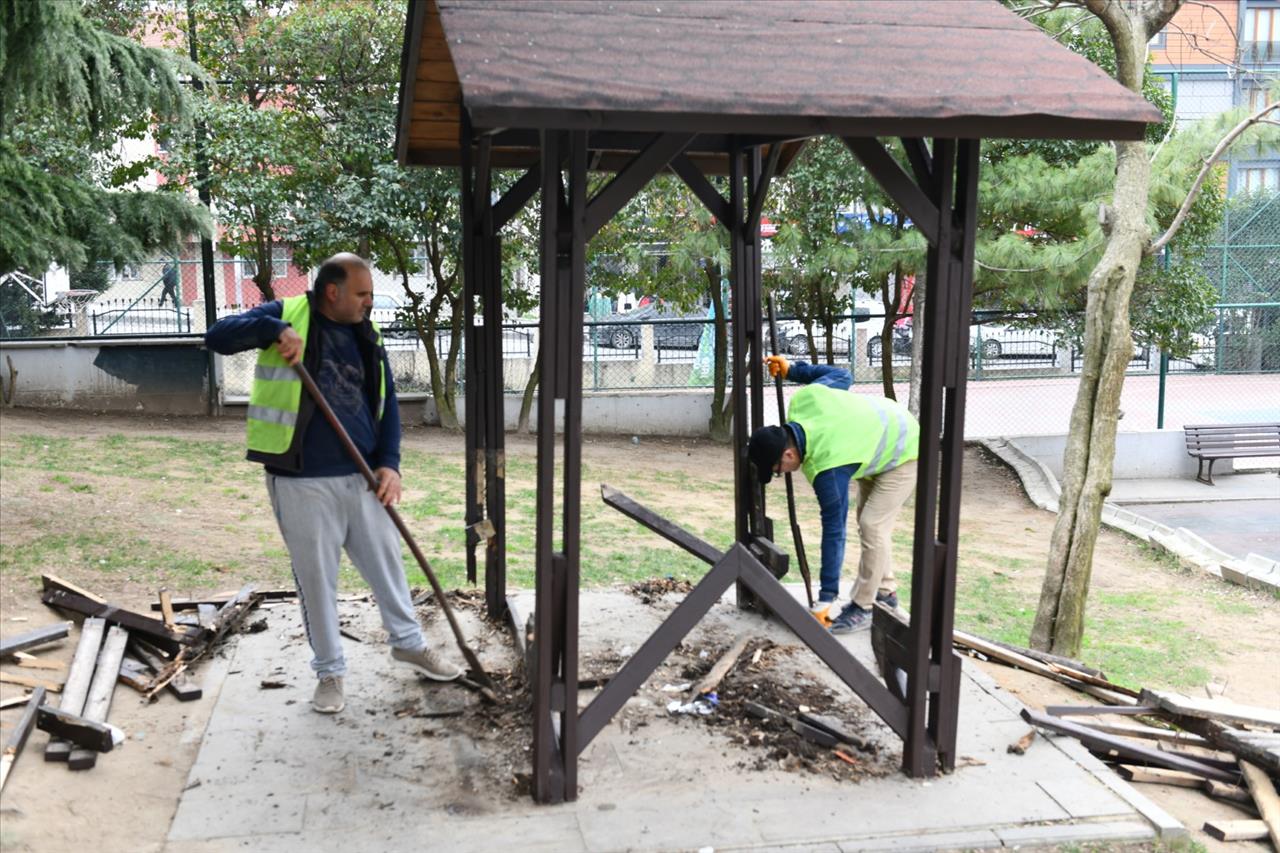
x,y
115,645
652,590
1229,751
787,722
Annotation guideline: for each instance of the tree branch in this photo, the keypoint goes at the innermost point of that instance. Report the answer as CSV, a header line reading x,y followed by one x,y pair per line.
x,y
1223,145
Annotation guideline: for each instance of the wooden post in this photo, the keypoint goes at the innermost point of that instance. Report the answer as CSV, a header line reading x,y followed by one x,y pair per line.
x,y
18,738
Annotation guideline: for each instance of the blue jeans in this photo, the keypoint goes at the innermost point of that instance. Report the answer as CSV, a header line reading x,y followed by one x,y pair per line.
x,y
832,490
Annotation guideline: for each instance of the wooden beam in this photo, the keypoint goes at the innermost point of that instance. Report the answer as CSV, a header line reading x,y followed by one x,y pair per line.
x,y
1158,776
180,686
1265,798
761,190
32,662
18,737
1212,709
30,681
74,728
79,677
98,703
166,609
709,682
151,628
897,184
1146,732
1236,830
48,582
31,639
701,187
634,176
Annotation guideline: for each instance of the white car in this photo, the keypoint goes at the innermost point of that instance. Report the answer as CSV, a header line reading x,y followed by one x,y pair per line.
x,y
1000,340
385,311
792,339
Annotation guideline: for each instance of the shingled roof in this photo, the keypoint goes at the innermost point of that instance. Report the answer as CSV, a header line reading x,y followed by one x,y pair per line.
x,y
767,68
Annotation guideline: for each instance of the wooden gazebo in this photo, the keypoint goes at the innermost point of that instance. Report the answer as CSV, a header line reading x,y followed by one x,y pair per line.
x,y
559,88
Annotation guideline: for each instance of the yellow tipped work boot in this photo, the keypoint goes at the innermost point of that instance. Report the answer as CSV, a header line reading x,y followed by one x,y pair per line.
x,y
824,611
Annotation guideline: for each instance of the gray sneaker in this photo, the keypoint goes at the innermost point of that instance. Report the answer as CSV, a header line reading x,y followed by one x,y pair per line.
x,y
328,696
427,663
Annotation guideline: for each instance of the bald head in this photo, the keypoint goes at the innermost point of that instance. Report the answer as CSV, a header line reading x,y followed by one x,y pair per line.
x,y
344,288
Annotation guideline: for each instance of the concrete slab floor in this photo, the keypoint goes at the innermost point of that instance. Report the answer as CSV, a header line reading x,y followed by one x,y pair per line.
x,y
389,773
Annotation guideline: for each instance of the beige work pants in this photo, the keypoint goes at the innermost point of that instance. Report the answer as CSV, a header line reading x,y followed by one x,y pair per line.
x,y
880,499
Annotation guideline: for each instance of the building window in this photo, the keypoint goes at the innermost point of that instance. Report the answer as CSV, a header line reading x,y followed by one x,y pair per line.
x,y
1159,41
1252,179
1260,97
279,263
1261,41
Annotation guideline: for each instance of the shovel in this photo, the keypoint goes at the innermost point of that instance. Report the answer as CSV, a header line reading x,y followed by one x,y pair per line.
x,y
478,674
791,494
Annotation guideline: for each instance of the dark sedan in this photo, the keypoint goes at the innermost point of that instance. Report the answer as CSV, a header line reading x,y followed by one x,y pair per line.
x,y
622,331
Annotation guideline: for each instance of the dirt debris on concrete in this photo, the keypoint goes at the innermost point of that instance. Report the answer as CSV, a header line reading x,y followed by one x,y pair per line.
x,y
653,590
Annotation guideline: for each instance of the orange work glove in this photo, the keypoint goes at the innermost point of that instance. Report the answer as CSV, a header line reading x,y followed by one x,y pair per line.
x,y
776,365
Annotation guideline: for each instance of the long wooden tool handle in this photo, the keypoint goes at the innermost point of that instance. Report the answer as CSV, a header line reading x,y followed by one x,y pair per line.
x,y
314,390
791,494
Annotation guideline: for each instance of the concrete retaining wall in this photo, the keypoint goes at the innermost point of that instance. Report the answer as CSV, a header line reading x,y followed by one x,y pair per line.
x,y
165,375
1139,455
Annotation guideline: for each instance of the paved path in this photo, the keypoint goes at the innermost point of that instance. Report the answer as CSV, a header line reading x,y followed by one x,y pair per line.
x,y
274,776
1240,528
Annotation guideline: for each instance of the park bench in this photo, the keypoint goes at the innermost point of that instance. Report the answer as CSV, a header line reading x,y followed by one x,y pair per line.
x,y
1211,442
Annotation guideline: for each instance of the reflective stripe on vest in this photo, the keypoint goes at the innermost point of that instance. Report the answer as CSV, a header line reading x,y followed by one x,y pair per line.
x,y
842,428
277,391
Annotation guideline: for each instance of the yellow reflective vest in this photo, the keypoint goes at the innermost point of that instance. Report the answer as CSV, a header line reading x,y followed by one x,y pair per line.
x,y
842,428
276,399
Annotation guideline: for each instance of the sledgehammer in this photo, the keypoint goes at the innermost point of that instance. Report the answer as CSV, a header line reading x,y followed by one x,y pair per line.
x,y
477,671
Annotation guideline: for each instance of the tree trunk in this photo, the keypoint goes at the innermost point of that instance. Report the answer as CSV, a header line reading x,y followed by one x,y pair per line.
x,y
526,402
721,420
919,300
1108,347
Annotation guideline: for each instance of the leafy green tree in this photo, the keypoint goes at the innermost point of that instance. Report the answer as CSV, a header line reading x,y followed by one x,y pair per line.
x,y
69,89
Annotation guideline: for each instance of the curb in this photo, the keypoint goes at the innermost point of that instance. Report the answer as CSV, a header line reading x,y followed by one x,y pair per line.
x,y
1254,571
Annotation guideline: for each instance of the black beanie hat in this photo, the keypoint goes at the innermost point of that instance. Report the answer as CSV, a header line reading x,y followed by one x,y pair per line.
x,y
765,448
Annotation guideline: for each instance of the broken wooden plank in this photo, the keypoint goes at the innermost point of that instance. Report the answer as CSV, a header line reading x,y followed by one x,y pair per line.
x,y
1125,749
134,673
31,639
1145,732
180,686
218,599
1265,798
709,682
1073,678
836,729
51,582
808,732
1230,793
14,701
31,681
1022,744
79,677
18,737
98,703
1260,748
166,609
32,662
1159,776
151,628
1221,710
74,728
1095,710
1236,830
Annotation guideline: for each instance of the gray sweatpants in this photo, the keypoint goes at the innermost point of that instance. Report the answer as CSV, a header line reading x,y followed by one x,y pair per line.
x,y
319,517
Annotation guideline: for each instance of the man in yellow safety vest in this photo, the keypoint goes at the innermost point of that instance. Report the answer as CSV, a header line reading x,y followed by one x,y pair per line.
x,y
321,501
835,438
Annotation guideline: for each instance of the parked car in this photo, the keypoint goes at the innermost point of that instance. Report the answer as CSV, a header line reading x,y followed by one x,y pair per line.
x,y
1000,340
386,313
792,338
622,331
901,342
